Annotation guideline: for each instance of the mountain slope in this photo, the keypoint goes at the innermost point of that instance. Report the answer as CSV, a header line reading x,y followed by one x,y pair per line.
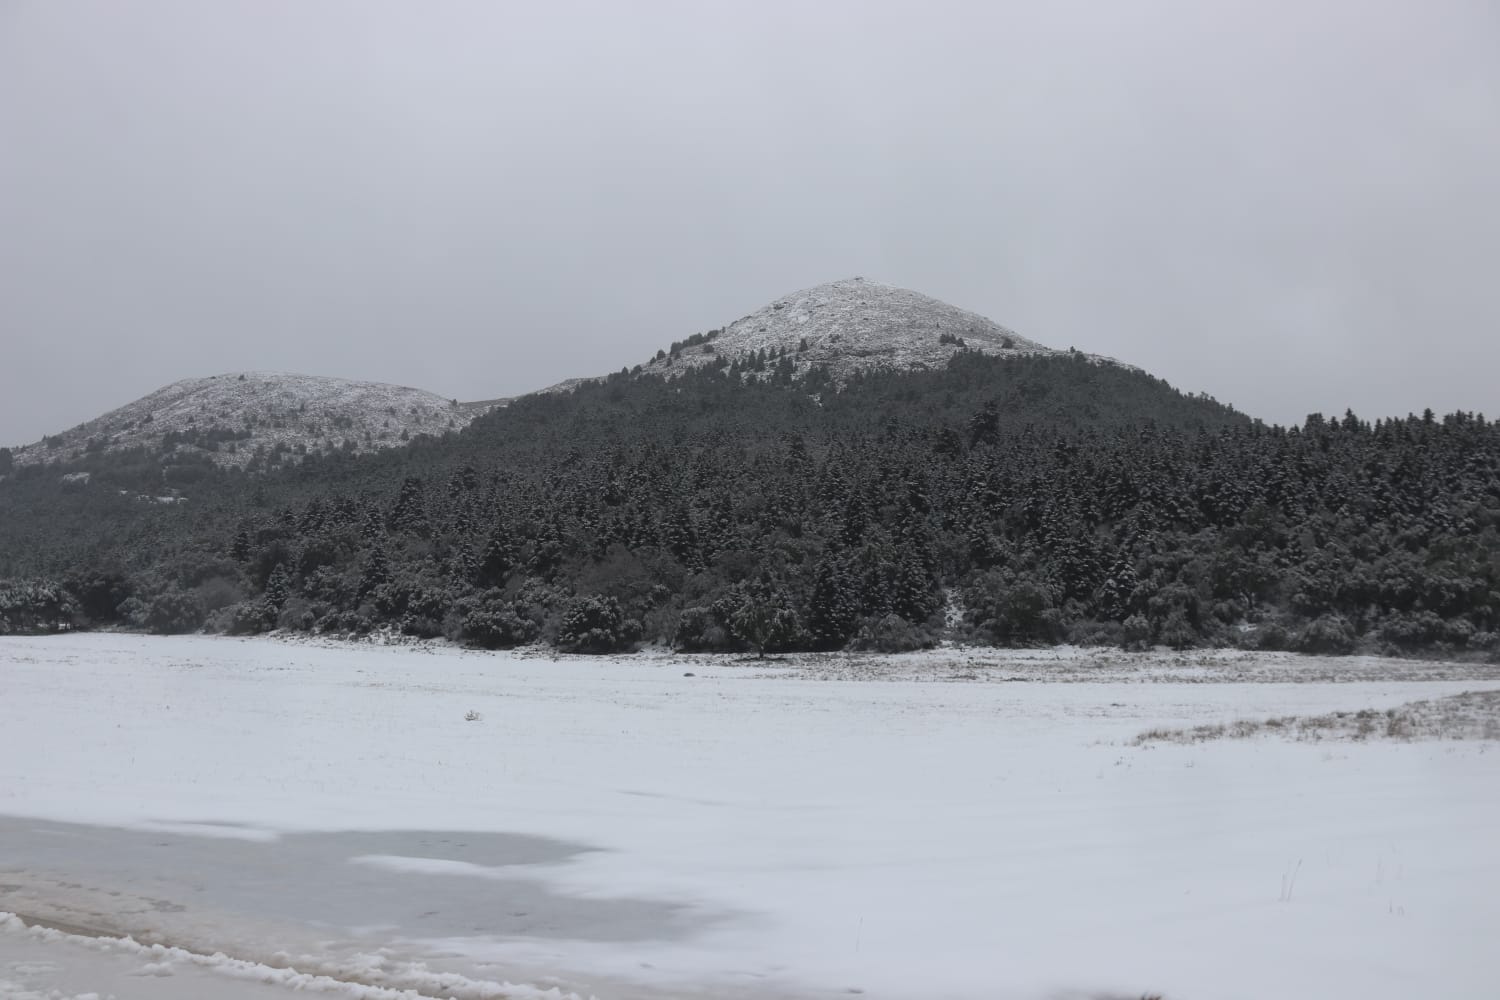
x,y
847,326
1015,501
850,326
228,418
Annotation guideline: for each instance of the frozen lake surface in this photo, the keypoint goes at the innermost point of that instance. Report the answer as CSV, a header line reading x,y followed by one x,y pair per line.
x,y
261,817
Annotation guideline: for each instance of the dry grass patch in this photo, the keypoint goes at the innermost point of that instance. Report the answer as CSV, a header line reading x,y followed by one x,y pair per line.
x,y
1472,715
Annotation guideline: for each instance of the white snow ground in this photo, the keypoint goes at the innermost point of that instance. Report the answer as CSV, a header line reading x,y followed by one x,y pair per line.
x,y
947,825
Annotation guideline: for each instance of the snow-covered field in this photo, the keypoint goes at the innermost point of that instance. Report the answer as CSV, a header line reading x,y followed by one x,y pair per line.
x,y
946,825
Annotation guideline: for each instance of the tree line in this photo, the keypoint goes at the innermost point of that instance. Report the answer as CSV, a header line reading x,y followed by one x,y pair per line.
x,y
757,507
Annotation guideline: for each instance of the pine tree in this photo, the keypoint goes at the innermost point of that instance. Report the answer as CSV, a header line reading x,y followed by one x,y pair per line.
x,y
984,426
278,587
499,558
680,538
1116,595
409,513
764,619
376,572
913,593
240,549
833,610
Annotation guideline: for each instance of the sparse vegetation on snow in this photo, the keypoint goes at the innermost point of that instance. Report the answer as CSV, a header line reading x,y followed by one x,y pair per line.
x,y
1470,715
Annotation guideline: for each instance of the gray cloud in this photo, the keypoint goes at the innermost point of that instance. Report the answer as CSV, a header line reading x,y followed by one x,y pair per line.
x,y
1294,207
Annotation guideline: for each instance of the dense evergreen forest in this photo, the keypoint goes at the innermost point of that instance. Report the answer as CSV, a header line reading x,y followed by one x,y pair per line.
x,y
753,507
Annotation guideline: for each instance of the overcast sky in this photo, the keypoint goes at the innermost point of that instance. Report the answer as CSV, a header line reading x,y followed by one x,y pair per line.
x,y
1292,206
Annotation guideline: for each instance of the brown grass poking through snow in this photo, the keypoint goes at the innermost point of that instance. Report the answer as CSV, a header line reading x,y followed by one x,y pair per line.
x,y
1472,715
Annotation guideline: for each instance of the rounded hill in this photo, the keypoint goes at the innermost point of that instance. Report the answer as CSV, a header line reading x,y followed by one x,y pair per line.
x,y
852,325
231,418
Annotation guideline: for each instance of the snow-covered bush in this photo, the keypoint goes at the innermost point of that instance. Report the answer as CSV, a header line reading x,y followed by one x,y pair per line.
x,y
495,623
346,623
1329,634
251,618
1176,631
421,626
1096,633
173,613
595,624
298,615
36,606
700,630
764,621
1015,609
1136,633
891,634
1272,636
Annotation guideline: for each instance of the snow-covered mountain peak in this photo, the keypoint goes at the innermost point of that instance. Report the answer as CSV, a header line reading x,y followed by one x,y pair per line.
x,y
230,418
851,325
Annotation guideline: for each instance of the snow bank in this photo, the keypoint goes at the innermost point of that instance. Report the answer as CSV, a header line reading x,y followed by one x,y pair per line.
x,y
162,961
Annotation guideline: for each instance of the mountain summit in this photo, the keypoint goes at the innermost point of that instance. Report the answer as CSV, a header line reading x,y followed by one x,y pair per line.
x,y
230,419
852,325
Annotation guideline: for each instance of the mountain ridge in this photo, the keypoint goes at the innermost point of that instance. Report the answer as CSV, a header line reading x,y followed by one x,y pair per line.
x,y
250,419
1011,501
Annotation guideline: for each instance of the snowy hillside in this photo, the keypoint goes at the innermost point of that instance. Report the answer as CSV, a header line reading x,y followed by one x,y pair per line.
x,y
231,417
853,325
848,326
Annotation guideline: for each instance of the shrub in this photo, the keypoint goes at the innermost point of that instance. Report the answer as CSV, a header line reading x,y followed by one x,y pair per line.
x,y
700,630
1459,631
1420,628
496,624
174,613
1328,634
252,618
217,593
1176,631
764,622
595,624
1136,633
1096,633
36,607
891,634
297,615
99,594
1273,637
421,626
1025,612
347,622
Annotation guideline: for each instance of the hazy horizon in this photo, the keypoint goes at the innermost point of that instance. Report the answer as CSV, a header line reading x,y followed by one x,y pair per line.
x,y
1292,210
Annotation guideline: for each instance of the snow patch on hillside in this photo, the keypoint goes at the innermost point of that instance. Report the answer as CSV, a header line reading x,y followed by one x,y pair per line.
x,y
856,325
231,417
